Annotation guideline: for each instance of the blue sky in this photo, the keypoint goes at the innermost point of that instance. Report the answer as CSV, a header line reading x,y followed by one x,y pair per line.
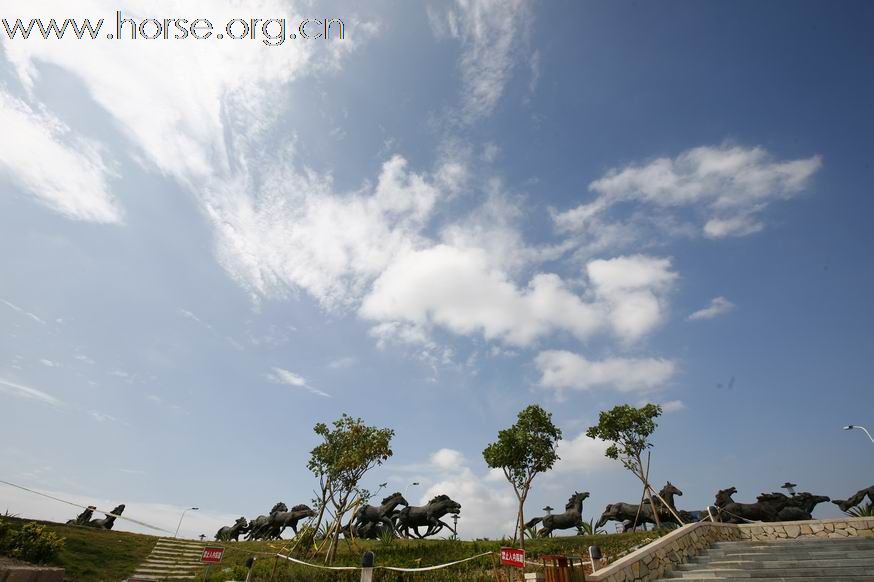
x,y
460,209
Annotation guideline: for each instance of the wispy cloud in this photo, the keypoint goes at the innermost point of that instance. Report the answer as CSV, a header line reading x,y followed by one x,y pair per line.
x,y
729,187
23,312
492,35
282,376
718,306
49,363
68,175
23,391
341,363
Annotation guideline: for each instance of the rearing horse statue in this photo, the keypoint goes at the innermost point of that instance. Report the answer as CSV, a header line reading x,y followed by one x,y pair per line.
x,y
572,517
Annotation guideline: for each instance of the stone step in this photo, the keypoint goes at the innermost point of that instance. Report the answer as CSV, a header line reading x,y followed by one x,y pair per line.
x,y
863,578
786,555
796,542
838,573
768,564
165,565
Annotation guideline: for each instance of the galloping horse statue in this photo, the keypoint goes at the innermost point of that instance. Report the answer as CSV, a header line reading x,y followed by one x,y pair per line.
x,y
233,532
108,521
428,515
732,512
279,520
369,521
258,526
799,507
638,514
572,517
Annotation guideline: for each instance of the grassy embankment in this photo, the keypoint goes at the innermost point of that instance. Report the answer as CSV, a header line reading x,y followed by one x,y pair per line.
x,y
93,555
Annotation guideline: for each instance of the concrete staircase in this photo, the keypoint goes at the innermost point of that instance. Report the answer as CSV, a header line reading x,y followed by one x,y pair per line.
x,y
799,560
171,559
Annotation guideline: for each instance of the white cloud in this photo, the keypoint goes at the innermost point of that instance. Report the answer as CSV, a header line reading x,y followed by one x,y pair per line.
x,y
491,33
582,455
447,459
673,406
634,290
562,370
281,376
729,185
83,358
718,306
459,290
487,502
64,172
49,363
23,391
298,234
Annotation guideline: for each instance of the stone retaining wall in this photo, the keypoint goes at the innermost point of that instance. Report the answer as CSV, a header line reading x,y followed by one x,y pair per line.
x,y
657,558
841,527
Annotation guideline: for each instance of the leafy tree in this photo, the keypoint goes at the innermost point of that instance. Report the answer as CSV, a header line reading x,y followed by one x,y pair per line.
x,y
348,450
523,451
628,430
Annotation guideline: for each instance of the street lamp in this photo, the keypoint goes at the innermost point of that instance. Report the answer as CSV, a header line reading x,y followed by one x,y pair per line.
x,y
407,488
862,428
455,517
181,517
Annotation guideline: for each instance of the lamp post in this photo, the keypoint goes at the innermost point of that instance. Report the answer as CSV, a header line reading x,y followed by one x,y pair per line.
x,y
180,519
407,488
862,428
455,517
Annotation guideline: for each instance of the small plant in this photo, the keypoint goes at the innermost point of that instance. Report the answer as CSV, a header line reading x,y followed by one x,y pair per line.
x,y
861,511
33,543
588,528
386,538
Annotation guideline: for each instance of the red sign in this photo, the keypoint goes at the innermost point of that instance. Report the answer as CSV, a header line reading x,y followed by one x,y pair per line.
x,y
212,555
513,557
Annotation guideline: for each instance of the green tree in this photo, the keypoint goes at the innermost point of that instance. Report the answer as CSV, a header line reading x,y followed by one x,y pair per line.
x,y
628,429
523,451
347,452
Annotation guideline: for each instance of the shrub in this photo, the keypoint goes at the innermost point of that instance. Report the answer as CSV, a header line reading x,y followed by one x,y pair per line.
x,y
32,543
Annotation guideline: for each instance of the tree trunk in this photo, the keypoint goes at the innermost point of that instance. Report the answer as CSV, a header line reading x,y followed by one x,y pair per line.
x,y
645,478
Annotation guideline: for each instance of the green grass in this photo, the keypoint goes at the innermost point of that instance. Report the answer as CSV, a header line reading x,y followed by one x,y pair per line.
x,y
411,553
92,555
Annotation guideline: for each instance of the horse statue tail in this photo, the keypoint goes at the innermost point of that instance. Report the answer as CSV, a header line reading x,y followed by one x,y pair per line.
x,y
534,522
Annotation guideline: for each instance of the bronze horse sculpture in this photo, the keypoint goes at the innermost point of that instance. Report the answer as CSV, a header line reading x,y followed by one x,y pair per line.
x,y
429,515
639,514
279,520
731,511
369,521
258,526
798,507
108,521
856,499
233,532
572,517
84,517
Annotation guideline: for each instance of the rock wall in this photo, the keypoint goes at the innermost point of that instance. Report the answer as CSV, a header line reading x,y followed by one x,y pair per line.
x,y
656,559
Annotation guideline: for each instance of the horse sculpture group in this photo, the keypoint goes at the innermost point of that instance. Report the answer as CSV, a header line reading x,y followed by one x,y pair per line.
x,y
369,521
266,527
84,518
